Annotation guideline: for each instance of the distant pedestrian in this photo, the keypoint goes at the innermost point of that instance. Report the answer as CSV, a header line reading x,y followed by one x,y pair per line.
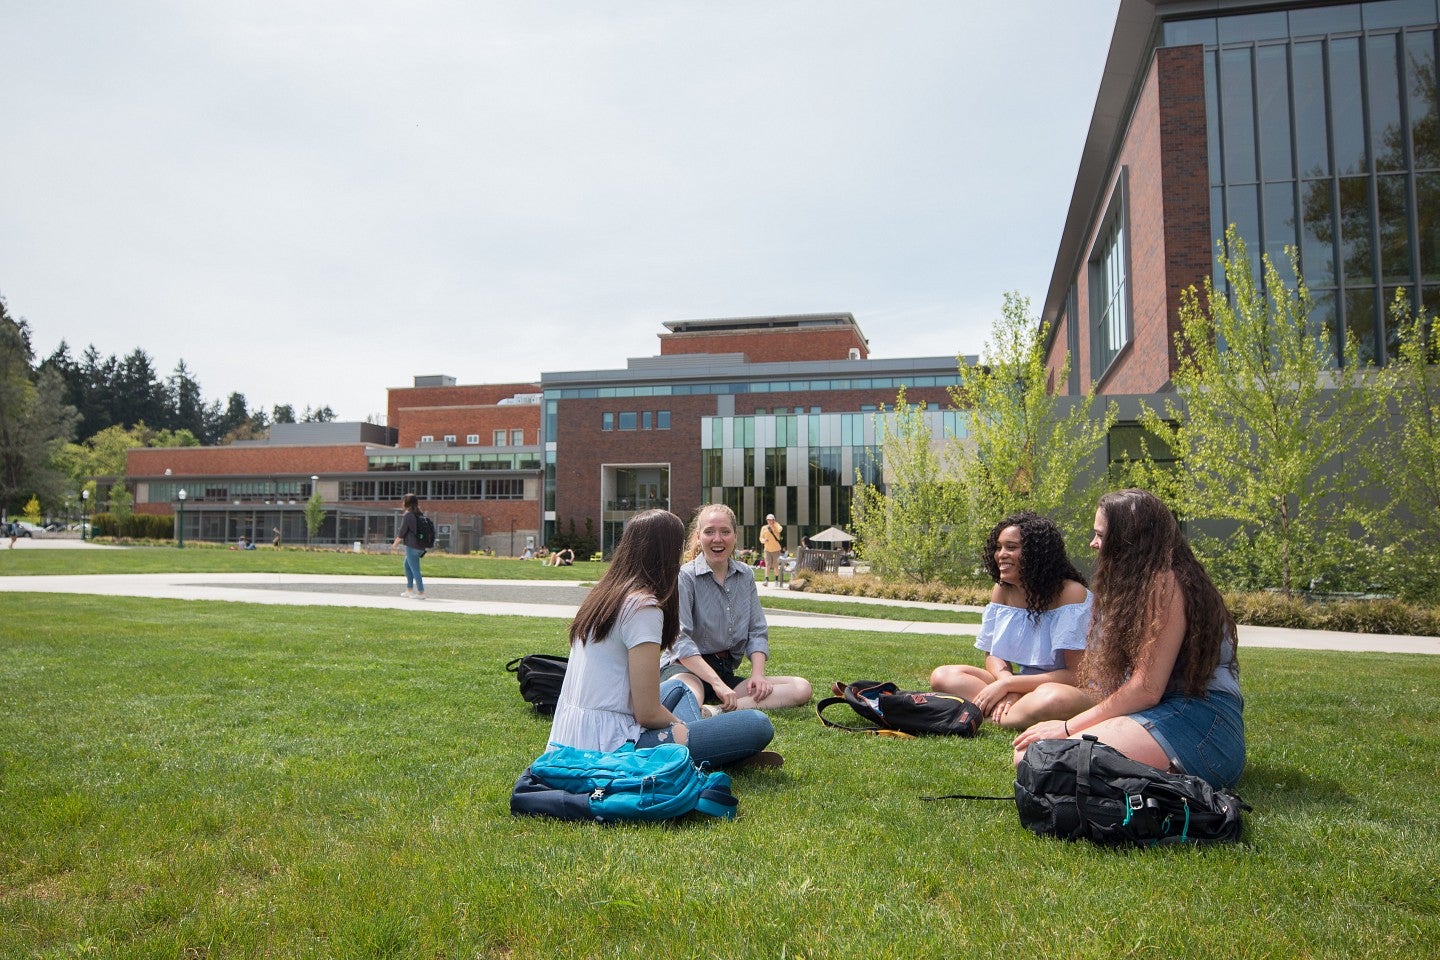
x,y
772,541
276,541
409,525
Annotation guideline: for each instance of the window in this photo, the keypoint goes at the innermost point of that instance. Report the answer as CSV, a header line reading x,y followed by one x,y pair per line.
x,y
499,438
449,438
607,421
662,419
646,419
627,421
517,438
427,438
1109,291
472,439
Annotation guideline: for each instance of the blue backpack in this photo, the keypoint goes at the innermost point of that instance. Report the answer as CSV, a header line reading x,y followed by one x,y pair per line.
x,y
656,783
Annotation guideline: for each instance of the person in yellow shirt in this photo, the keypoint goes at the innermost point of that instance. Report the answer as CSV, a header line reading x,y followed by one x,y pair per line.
x,y
772,537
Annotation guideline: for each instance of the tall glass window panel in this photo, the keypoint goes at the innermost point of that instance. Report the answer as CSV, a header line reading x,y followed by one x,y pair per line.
x,y
1427,209
1382,69
1420,87
1185,33
1280,228
1317,237
1393,196
1347,106
1242,207
1237,115
1109,304
1357,257
1360,320
1312,132
1272,89
1321,321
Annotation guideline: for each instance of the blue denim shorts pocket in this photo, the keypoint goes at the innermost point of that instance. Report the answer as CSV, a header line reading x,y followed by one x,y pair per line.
x,y
1205,736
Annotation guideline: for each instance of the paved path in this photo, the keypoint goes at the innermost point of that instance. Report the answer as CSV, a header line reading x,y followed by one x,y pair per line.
x,y
549,598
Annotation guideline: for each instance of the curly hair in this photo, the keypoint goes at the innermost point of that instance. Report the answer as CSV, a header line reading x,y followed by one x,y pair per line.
x,y
646,561
1143,541
1044,564
692,545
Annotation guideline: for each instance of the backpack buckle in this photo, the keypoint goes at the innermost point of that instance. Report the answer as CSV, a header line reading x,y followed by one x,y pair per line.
x,y
1135,802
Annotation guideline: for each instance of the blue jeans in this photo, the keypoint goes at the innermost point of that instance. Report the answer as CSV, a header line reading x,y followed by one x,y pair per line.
x,y
719,740
413,580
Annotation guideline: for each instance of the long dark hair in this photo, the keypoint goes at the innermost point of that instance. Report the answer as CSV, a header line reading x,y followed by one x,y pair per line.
x,y
1044,564
410,502
646,561
1142,541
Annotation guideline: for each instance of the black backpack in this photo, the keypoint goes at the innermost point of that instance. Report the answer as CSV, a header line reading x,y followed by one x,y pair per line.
x,y
1084,790
902,713
424,531
540,677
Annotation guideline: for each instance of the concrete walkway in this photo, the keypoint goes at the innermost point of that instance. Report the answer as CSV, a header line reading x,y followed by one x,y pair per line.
x,y
526,598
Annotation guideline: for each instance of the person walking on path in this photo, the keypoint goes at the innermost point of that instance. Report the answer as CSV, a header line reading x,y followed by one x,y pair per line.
x,y
772,541
409,525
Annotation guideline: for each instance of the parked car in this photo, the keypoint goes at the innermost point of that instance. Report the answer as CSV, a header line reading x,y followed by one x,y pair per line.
x,y
24,528
54,526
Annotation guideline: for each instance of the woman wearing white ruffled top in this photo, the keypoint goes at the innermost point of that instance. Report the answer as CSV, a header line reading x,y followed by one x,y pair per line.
x,y
1033,632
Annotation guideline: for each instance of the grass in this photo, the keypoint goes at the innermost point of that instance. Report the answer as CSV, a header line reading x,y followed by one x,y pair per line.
x,y
840,608
211,559
220,780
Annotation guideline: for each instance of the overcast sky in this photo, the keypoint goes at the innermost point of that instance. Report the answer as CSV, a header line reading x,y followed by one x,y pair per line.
x,y
310,202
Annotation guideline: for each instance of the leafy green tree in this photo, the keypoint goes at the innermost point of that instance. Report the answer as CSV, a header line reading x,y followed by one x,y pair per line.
x,y
1027,448
35,421
314,514
122,504
1267,429
319,415
1410,460
103,455
282,413
32,510
910,525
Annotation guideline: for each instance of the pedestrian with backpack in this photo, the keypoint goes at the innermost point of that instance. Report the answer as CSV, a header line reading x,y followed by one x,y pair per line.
x,y
410,535
612,693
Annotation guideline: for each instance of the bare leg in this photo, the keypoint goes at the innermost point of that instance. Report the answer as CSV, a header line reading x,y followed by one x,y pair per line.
x,y
787,692
960,679
1127,736
1049,701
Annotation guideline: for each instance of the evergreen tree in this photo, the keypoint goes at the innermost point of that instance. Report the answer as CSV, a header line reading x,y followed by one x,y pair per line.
x,y
186,405
35,421
282,413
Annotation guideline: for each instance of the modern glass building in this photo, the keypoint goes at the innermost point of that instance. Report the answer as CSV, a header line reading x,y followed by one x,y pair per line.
x,y
1310,126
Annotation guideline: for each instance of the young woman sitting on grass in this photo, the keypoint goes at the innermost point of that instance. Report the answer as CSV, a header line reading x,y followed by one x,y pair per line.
x,y
1161,650
612,692
1033,632
721,624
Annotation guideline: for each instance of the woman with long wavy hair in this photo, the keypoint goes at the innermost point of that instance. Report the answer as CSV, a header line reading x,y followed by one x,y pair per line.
x,y
612,692
1033,632
1161,651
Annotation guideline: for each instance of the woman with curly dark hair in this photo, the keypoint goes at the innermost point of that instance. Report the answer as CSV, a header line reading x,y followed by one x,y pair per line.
x,y
1161,650
1034,629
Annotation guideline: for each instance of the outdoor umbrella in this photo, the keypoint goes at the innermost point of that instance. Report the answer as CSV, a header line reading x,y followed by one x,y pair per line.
x,y
831,535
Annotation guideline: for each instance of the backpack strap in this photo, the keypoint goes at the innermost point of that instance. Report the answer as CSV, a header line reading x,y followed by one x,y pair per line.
x,y
514,665
967,796
717,801
874,731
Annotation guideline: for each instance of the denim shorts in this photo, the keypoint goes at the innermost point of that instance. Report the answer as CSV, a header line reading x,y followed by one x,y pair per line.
x,y
722,663
1203,736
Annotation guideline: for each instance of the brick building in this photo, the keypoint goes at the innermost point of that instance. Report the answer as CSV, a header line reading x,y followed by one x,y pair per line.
x,y
767,414
1309,125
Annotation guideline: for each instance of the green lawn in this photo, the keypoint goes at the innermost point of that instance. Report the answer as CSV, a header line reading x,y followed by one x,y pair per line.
x,y
202,780
210,559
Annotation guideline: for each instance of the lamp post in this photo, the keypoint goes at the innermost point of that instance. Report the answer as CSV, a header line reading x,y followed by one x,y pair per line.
x,y
180,527
84,512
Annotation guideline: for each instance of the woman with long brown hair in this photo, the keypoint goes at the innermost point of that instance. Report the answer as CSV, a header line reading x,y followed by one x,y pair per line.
x,y
1161,650
612,692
